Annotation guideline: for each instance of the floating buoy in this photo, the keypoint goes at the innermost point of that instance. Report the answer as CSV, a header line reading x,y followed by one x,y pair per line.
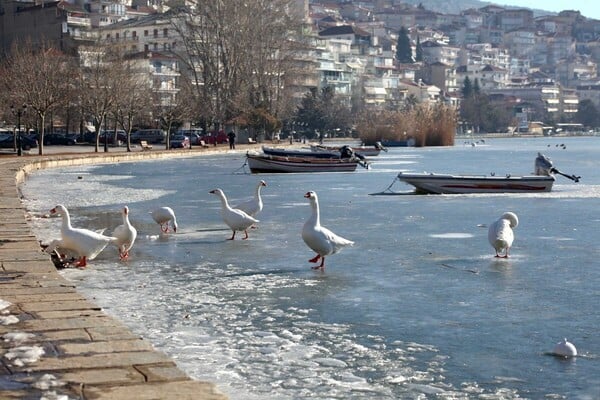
x,y
564,348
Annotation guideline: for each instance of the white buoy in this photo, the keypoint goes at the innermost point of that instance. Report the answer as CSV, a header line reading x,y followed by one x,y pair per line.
x,y
565,348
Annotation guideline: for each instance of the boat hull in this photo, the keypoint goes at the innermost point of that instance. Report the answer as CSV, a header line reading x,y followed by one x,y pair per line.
x,y
275,164
463,184
363,151
272,151
398,143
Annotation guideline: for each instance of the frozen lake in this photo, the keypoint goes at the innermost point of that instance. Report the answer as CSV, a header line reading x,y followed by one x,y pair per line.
x,y
418,308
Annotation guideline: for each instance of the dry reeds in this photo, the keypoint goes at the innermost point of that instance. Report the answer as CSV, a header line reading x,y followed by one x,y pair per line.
x,y
427,125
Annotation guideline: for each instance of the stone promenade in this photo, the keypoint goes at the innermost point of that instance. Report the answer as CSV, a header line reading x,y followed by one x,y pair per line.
x,y
56,343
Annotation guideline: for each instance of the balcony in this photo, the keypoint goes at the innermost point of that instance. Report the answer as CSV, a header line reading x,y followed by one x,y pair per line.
x,y
79,21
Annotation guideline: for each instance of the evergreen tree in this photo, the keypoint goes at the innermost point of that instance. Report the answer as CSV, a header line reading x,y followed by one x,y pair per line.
x,y
419,51
476,89
403,47
467,89
587,114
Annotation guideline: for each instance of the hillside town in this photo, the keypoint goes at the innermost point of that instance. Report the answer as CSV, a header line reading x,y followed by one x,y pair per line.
x,y
530,73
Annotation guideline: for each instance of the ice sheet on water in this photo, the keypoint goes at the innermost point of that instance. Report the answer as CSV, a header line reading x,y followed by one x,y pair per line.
x,y
86,189
452,235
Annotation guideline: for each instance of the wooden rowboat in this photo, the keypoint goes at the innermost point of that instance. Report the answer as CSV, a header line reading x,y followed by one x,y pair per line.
x,y
263,163
458,184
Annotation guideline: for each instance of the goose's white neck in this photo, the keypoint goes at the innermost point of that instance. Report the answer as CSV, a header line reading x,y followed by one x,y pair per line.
x,y
224,201
257,193
66,218
126,219
315,217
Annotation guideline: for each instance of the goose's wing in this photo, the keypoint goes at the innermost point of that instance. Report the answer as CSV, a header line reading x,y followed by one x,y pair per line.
x,y
337,242
323,241
237,219
86,242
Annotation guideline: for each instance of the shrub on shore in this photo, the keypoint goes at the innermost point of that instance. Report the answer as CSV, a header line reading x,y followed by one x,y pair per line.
x,y
427,125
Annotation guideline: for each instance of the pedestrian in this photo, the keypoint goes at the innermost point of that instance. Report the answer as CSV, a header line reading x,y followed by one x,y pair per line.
x,y
231,137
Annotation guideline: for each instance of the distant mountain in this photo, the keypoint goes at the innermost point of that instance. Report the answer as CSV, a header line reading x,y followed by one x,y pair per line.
x,y
456,6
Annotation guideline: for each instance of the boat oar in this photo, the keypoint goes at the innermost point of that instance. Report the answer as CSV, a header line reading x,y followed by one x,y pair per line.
x,y
574,178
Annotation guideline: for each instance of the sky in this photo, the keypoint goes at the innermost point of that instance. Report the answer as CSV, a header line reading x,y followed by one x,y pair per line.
x,y
588,8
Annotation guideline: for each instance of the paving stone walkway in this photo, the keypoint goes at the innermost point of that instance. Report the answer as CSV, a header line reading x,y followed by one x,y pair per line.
x,y
53,341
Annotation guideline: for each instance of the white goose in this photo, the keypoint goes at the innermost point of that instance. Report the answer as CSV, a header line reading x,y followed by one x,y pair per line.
x,y
125,234
83,242
255,205
164,216
500,233
236,219
320,239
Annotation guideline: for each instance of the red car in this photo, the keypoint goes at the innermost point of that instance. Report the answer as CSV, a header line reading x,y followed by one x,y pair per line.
x,y
221,137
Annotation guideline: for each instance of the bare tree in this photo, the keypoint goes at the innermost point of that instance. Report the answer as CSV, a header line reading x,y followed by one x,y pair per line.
x,y
236,53
172,110
40,78
99,84
134,94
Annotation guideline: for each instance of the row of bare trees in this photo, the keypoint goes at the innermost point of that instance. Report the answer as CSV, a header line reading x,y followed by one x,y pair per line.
x,y
234,59
239,55
97,86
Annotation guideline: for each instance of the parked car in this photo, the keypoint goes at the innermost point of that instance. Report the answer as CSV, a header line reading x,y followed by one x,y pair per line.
x,y
180,142
60,139
7,141
149,135
221,137
195,135
110,136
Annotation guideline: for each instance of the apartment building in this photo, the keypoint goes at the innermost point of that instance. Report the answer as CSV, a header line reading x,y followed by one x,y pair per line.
x,y
154,33
436,52
488,76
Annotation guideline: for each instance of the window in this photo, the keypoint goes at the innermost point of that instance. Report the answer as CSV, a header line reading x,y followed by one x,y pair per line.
x,y
145,32
156,33
166,32
134,34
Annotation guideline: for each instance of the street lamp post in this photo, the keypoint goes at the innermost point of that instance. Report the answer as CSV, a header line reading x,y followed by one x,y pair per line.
x,y
18,111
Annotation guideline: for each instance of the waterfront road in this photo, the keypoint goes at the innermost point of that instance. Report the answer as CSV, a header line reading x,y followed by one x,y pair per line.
x,y
55,343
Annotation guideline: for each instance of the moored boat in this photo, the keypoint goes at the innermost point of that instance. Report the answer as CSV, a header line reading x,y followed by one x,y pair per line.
x,y
265,163
399,143
364,151
282,152
431,183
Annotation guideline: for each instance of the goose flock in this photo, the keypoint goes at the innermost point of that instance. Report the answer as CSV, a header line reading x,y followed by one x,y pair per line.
x,y
77,246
